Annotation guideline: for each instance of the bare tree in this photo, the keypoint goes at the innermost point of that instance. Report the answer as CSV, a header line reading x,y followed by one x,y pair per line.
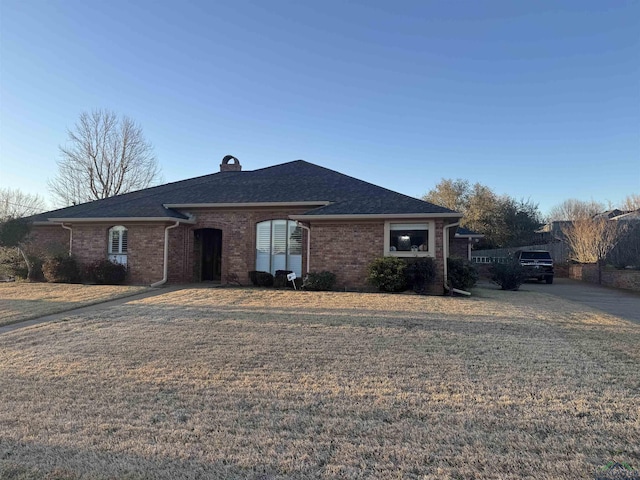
x,y
17,204
632,202
573,209
591,239
105,156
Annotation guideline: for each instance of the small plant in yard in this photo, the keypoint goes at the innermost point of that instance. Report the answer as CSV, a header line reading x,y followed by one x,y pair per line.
x,y
106,272
617,471
508,275
420,273
61,268
387,273
319,281
461,273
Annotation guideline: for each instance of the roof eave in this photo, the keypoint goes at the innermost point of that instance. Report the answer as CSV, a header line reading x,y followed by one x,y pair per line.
x,y
115,219
375,216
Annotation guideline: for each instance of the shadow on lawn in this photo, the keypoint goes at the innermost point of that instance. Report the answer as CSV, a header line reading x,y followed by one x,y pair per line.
x,y
36,461
14,311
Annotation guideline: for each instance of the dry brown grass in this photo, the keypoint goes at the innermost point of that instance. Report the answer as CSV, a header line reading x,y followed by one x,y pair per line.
x,y
259,384
21,301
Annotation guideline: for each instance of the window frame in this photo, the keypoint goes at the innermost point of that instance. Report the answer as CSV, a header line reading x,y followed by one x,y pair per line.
x,y
120,256
288,256
431,238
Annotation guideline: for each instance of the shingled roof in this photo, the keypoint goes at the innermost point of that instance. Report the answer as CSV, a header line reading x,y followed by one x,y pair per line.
x,y
326,191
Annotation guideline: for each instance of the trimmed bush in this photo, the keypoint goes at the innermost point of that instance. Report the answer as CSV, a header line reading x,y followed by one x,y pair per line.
x,y
106,272
264,279
319,281
508,275
462,273
387,273
253,276
420,273
61,268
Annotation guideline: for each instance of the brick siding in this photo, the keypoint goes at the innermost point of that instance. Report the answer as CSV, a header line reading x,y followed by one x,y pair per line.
x,y
625,279
49,239
344,248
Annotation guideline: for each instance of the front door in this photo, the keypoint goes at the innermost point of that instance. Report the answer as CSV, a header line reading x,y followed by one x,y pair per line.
x,y
209,242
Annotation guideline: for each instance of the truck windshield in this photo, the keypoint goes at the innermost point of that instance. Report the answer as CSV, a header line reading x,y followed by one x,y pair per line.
x,y
535,256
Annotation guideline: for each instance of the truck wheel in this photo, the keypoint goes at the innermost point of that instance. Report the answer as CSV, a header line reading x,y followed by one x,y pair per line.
x,y
549,279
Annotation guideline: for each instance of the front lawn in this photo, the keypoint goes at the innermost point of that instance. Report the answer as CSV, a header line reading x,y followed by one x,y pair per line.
x,y
265,384
20,301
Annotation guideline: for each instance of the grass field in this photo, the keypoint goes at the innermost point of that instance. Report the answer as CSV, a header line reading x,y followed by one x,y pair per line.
x,y
21,301
264,384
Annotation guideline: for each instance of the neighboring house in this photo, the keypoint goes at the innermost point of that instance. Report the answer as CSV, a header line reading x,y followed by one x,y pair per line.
x,y
464,240
294,216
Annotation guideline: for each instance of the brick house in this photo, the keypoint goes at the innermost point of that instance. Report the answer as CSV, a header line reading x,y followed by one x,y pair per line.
x,y
294,216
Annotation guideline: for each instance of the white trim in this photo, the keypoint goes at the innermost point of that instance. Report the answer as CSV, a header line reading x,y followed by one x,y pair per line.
x,y
431,241
246,204
468,235
376,216
115,220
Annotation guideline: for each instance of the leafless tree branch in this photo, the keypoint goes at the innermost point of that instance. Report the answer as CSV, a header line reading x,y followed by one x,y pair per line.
x,y
105,156
17,204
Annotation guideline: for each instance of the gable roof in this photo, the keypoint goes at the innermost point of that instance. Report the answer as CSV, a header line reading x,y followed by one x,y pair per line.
x,y
325,191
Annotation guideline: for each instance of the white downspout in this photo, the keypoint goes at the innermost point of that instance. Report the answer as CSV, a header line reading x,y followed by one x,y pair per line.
x,y
70,237
308,241
445,252
166,255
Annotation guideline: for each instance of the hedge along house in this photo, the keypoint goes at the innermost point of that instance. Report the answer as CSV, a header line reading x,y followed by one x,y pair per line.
x,y
216,228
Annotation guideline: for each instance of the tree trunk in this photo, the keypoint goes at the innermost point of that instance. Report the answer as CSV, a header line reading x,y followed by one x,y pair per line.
x,y
26,260
600,272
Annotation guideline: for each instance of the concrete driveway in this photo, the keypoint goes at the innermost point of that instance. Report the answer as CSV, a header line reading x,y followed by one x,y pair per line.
x,y
622,303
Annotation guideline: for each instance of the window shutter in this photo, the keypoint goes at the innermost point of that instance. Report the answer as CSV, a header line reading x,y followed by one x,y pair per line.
x,y
114,244
263,247
124,241
279,238
295,239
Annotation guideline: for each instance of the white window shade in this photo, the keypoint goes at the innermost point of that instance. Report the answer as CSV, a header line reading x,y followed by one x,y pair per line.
x,y
278,246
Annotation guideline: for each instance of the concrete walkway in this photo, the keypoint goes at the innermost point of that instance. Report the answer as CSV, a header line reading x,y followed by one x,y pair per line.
x,y
621,303
90,308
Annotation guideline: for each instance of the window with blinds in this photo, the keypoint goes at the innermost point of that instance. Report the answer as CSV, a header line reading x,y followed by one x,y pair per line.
x,y
278,246
118,244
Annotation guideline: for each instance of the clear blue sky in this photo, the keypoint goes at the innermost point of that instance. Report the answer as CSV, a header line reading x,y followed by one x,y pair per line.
x,y
536,99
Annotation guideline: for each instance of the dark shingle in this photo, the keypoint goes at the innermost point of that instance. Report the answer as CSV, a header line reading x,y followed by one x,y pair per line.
x,y
296,181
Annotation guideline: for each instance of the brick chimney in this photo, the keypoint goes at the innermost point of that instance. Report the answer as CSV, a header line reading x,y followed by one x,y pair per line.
x,y
235,166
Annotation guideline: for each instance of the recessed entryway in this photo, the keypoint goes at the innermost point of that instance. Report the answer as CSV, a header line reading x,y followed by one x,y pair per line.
x,y
207,249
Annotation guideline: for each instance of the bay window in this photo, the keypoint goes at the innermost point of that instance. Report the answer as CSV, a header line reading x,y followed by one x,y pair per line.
x,y
279,246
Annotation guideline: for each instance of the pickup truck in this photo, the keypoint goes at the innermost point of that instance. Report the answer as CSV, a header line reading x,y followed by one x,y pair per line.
x,y
538,262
